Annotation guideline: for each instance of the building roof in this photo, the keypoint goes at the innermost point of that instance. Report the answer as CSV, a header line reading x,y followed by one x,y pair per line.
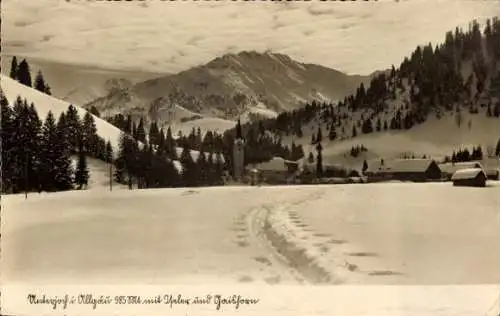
x,y
399,165
465,174
275,164
451,167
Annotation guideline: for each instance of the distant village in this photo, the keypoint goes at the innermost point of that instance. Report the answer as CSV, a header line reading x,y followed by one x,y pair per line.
x,y
303,171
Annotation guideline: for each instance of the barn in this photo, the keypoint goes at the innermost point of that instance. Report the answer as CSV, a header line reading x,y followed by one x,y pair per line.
x,y
450,168
474,177
276,171
417,170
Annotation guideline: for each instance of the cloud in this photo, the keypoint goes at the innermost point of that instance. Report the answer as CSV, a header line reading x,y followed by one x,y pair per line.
x,y
356,37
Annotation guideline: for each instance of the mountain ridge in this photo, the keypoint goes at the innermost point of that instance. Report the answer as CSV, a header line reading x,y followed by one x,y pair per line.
x,y
227,85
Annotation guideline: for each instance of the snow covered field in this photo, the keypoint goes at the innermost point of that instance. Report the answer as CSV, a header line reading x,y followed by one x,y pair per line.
x,y
345,234
244,237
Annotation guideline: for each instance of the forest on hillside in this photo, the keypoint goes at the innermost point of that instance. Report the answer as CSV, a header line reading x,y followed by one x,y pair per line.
x,y
461,74
36,153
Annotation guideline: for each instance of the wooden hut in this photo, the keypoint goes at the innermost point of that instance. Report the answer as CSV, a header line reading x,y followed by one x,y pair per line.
x,y
450,168
417,170
474,177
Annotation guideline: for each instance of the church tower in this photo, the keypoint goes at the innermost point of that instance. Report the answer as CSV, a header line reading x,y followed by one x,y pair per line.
x,y
238,153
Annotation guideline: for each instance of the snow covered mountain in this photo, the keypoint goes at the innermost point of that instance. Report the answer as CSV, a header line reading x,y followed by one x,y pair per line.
x,y
230,85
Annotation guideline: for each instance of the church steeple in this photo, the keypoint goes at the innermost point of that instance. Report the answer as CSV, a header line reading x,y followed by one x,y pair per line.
x,y
239,133
238,153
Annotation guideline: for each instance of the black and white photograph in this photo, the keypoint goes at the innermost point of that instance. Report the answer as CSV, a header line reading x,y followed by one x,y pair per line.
x,y
306,157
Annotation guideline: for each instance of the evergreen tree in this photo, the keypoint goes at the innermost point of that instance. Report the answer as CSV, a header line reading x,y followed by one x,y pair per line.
x,y
202,168
108,156
7,143
40,82
153,134
23,73
82,172
365,166
72,127
48,90
89,135
122,159
170,144
319,161
33,146
63,177
49,154
95,111
189,172
140,132
319,135
14,68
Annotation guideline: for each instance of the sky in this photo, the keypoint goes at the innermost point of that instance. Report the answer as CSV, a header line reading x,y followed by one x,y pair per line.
x,y
170,36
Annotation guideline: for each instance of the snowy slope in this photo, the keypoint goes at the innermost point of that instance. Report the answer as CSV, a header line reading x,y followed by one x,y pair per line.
x,y
45,103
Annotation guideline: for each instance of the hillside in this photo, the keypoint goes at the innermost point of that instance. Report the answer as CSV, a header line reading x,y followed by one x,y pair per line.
x,y
440,99
229,85
45,103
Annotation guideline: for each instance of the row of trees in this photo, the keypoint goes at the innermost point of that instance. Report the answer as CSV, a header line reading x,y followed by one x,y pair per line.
x,y
150,166
464,155
22,73
36,154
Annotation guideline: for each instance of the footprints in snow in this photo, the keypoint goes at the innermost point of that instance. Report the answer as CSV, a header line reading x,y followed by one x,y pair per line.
x,y
240,227
326,246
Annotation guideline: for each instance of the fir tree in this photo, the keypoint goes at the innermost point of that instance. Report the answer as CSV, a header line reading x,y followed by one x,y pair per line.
x,y
170,144
89,135
319,135
153,134
63,177
365,166
82,172
189,172
7,143
319,161
33,146
49,154
108,156
40,82
95,111
23,73
14,68
140,134
72,127
202,168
